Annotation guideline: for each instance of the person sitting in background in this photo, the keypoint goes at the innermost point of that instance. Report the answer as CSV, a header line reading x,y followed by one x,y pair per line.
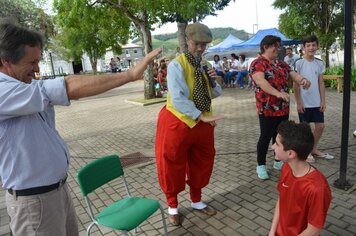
x,y
229,77
290,58
178,51
301,53
217,65
113,65
161,62
225,65
155,70
242,70
161,76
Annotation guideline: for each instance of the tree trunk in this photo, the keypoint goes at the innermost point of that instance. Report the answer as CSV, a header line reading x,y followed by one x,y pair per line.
x,y
327,55
93,63
143,27
149,85
181,35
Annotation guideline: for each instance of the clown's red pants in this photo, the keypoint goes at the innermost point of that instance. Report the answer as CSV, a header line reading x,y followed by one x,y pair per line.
x,y
183,153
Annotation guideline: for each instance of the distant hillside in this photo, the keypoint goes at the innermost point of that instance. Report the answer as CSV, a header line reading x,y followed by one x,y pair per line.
x,y
169,42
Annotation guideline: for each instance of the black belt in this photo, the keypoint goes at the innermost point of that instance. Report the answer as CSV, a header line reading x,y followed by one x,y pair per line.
x,y
37,190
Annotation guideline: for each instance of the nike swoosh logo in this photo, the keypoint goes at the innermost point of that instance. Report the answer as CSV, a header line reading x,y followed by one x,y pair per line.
x,y
286,186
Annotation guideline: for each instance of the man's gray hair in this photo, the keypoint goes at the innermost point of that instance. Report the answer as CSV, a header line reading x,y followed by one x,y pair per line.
x,y
14,39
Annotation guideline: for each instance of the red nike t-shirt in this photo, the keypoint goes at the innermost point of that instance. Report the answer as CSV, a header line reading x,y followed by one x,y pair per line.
x,y
302,200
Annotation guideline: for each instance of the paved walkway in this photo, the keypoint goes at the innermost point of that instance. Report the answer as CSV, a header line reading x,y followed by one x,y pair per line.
x,y
106,124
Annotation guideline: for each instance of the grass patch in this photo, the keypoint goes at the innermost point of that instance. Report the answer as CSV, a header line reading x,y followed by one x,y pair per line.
x,y
146,102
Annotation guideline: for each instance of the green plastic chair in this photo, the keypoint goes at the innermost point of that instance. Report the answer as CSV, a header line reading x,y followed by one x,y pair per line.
x,y
125,214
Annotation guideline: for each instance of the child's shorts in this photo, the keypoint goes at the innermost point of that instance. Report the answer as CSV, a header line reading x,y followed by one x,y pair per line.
x,y
312,115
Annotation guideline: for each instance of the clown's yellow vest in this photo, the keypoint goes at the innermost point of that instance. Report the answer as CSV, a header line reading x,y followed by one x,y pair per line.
x,y
189,77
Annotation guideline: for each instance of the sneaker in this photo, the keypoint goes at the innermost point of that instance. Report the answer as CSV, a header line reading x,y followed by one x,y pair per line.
x,y
262,172
278,165
326,156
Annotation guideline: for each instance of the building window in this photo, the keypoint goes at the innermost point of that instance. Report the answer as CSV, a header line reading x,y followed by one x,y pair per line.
x,y
135,50
126,51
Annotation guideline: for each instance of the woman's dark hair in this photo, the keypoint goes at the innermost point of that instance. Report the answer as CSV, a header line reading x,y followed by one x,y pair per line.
x,y
163,66
268,41
233,55
243,57
216,56
296,137
15,38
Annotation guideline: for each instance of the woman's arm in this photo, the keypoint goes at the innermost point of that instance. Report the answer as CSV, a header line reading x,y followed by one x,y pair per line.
x,y
260,80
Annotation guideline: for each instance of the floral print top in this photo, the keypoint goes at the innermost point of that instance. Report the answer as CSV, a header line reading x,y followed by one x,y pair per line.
x,y
276,73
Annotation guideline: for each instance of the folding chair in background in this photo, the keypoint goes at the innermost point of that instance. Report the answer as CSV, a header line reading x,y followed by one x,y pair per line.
x,y
125,214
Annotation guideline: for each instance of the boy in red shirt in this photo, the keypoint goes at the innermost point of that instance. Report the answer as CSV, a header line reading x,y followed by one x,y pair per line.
x,y
304,193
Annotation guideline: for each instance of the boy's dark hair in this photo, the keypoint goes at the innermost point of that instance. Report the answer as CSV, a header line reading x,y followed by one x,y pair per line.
x,y
310,39
14,39
296,137
233,55
268,41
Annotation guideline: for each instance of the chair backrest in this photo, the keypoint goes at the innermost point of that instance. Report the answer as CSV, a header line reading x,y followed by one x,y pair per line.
x,y
99,172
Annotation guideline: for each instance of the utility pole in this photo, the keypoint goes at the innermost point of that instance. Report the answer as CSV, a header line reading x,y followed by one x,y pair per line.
x,y
51,59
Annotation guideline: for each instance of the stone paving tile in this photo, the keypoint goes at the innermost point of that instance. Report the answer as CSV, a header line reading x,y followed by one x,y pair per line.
x,y
106,124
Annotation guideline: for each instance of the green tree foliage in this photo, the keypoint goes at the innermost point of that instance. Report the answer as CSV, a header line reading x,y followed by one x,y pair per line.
x,y
184,11
324,18
169,42
143,14
90,29
190,10
27,13
219,34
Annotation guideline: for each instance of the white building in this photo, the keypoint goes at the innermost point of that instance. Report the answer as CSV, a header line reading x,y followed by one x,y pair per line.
x,y
52,63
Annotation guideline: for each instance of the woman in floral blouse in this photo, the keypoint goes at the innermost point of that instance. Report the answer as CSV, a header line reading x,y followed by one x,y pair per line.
x,y
270,76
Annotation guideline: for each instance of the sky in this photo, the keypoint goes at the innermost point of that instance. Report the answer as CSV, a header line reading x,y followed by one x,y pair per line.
x,y
240,15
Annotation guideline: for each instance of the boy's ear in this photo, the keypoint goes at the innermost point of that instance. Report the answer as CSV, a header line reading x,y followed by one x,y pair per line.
x,y
291,154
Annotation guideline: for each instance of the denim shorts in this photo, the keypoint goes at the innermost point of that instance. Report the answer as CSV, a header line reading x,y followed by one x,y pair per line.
x,y
312,115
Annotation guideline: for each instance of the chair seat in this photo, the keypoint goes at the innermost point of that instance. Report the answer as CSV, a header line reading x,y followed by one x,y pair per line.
x,y
128,213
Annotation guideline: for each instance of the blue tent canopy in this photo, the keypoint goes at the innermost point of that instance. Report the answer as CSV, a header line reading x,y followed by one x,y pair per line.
x,y
226,44
255,40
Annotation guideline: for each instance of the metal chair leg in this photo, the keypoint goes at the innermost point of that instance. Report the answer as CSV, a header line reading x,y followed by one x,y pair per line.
x,y
89,228
163,220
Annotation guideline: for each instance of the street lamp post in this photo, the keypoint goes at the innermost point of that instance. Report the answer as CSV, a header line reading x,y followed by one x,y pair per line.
x,y
254,26
51,59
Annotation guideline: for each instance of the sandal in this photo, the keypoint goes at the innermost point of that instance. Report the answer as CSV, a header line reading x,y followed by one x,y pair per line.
x,y
310,158
175,220
207,211
324,155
